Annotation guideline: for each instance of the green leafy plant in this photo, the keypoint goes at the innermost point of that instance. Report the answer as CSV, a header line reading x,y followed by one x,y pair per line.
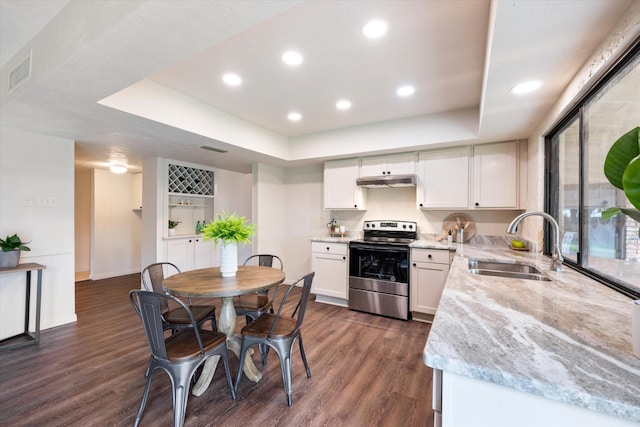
x,y
230,228
173,224
12,243
622,169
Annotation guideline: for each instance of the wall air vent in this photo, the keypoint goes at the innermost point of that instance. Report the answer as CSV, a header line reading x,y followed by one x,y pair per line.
x,y
210,148
20,74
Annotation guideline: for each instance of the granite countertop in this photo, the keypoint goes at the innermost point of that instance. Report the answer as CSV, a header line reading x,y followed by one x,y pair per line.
x,y
568,339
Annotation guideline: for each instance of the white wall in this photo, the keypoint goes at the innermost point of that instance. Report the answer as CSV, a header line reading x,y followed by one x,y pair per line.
x,y
233,194
116,228
36,165
82,220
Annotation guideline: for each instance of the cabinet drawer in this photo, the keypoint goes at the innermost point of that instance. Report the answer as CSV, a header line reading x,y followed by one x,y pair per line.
x,y
438,256
329,248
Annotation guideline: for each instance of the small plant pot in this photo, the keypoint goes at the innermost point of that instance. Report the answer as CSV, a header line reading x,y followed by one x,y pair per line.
x,y
172,232
9,259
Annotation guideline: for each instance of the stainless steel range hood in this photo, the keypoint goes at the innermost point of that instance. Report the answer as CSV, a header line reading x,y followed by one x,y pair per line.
x,y
382,181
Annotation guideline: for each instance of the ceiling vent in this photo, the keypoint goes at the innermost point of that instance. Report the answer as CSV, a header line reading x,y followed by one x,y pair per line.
x,y
20,74
210,148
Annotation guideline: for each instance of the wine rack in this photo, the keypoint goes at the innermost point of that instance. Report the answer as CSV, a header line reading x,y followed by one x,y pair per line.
x,y
186,180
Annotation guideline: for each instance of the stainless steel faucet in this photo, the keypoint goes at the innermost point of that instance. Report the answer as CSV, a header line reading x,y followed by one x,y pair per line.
x,y
556,255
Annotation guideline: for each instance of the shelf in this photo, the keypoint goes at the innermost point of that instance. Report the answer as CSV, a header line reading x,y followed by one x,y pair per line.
x,y
191,181
187,206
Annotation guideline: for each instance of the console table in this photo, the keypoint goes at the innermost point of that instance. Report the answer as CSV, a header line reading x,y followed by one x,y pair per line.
x,y
26,338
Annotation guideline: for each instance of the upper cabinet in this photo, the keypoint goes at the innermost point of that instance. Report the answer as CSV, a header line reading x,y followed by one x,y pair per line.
x,y
495,176
340,189
397,164
471,177
443,179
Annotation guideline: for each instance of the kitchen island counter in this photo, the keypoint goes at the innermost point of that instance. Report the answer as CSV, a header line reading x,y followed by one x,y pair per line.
x,y
568,339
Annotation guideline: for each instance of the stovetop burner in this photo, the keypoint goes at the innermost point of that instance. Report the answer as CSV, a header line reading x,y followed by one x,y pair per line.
x,y
390,232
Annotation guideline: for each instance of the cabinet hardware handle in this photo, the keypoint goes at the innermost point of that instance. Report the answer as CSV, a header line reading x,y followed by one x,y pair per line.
x,y
414,264
344,257
189,240
477,204
429,256
327,247
420,204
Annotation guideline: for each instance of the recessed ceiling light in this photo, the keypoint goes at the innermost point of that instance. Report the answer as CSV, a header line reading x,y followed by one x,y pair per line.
x,y
526,87
405,91
294,117
374,29
292,58
343,104
232,79
118,168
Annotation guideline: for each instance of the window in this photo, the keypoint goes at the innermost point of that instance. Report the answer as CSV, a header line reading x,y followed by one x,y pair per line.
x,y
577,189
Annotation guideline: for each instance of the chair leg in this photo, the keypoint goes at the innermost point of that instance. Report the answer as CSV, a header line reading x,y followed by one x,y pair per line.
x,y
304,357
244,346
145,395
180,395
225,360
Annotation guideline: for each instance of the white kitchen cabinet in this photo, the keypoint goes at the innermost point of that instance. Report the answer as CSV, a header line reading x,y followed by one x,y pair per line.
x,y
483,176
189,253
397,164
340,189
443,179
329,261
495,175
429,271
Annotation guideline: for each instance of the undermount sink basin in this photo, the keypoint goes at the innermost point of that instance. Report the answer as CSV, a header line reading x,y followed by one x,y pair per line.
x,y
506,269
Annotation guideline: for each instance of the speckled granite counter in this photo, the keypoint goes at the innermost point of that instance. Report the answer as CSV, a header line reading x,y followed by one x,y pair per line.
x,y
568,339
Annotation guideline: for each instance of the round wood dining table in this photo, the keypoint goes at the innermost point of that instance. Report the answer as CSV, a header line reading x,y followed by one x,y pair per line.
x,y
209,283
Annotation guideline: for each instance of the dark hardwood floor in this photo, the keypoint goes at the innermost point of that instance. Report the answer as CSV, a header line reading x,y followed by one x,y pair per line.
x,y
366,371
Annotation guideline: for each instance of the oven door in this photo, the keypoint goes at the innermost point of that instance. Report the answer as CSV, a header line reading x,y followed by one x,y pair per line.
x,y
379,268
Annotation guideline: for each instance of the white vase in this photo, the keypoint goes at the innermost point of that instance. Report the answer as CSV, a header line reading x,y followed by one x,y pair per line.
x,y
172,232
229,259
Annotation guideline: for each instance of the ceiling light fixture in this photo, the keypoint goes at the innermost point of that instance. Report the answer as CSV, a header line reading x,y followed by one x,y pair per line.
x,y
405,91
526,87
294,117
118,168
343,104
292,58
232,79
375,29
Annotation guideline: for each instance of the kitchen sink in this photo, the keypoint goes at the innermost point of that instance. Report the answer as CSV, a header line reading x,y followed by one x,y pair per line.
x,y
506,269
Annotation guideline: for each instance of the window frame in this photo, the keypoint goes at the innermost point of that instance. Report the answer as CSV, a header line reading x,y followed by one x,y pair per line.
x,y
551,165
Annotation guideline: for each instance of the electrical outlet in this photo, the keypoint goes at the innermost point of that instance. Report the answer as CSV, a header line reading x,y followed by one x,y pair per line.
x,y
28,201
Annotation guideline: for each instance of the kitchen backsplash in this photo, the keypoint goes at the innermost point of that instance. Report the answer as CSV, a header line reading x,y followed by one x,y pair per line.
x,y
400,204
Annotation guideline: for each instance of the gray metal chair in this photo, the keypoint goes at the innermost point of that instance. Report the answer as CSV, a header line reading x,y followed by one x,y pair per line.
x,y
256,304
180,354
175,317
280,333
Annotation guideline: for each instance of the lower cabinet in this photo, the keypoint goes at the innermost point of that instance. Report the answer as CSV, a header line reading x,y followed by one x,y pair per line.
x,y
190,253
429,271
330,283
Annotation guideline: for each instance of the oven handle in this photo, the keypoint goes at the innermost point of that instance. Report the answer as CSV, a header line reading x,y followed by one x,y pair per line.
x,y
379,248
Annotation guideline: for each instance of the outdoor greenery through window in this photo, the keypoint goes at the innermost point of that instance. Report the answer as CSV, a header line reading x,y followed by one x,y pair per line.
x,y
577,189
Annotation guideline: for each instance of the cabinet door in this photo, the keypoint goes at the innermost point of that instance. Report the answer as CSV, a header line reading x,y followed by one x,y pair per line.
x,y
495,175
340,189
443,179
427,283
180,252
401,164
202,253
331,275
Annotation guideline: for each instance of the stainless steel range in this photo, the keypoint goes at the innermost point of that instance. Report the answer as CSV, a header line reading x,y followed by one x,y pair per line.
x,y
379,268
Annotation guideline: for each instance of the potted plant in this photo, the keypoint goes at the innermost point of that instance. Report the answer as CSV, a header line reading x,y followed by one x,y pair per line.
x,y
231,230
622,169
11,248
172,227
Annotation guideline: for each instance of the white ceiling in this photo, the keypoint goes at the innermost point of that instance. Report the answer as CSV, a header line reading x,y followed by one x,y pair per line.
x,y
144,78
